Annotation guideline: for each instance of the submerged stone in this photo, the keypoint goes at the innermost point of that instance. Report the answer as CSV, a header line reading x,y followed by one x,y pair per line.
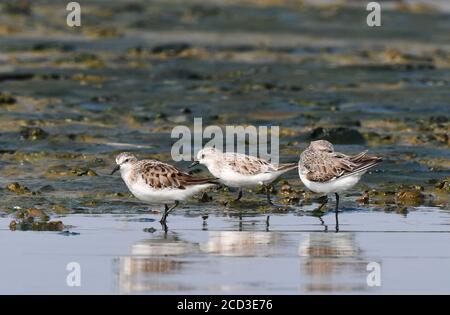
x,y
412,197
339,135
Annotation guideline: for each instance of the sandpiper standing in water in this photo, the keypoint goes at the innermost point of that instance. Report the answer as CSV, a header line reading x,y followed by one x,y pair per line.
x,y
155,181
240,170
323,170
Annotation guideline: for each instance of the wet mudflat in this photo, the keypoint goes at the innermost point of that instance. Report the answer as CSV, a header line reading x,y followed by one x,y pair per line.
x,y
71,99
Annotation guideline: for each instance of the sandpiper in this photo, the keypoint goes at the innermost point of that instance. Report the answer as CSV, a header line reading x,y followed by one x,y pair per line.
x,y
323,170
155,181
240,170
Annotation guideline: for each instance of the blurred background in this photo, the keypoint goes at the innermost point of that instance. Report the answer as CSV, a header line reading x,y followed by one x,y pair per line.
x,y
71,98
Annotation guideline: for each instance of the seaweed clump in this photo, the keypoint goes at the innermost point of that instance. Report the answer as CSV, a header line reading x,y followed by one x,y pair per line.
x,y
18,189
7,98
33,133
63,170
443,185
34,220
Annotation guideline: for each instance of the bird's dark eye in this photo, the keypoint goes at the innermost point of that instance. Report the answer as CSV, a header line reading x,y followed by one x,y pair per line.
x,y
127,160
203,156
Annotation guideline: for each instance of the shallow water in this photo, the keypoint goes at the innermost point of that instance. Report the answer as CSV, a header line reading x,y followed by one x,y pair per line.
x,y
227,255
80,96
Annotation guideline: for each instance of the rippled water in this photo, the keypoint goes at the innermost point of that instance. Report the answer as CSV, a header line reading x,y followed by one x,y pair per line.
x,y
227,255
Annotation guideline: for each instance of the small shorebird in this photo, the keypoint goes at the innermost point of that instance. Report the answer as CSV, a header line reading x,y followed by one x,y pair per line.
x,y
323,170
155,181
240,170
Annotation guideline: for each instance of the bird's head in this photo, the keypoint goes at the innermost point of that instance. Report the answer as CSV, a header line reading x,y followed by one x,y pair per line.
x,y
124,161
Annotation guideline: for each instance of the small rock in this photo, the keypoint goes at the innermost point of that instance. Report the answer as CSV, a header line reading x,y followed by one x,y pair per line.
x,y
439,119
63,170
17,188
340,135
13,225
17,7
47,188
443,185
179,74
33,133
6,98
364,199
381,197
290,200
68,233
205,197
171,49
412,197
150,230
185,110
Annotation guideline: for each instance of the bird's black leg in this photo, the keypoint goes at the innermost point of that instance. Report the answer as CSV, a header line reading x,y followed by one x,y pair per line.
x,y
322,222
267,223
164,227
240,221
337,201
268,195
336,212
239,195
167,210
323,205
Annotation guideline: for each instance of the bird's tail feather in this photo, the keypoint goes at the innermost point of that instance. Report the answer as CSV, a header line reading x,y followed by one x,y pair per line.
x,y
287,167
199,181
365,165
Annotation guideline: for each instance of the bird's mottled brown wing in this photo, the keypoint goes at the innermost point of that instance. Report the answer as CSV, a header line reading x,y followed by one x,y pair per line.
x,y
326,166
247,165
161,175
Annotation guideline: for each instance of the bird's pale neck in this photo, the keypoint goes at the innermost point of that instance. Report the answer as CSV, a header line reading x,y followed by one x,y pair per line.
x,y
213,164
126,171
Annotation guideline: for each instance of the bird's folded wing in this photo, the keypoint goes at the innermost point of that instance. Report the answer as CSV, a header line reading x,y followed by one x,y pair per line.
x,y
329,166
247,165
287,166
161,175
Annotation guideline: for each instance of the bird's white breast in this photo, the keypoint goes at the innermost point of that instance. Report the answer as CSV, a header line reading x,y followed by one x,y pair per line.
x,y
144,192
231,178
334,186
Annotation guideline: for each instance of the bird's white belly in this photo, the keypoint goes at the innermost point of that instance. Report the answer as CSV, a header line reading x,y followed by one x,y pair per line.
x,y
233,179
334,186
150,195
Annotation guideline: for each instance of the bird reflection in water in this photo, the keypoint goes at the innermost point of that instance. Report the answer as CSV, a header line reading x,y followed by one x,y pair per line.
x,y
332,262
247,243
149,260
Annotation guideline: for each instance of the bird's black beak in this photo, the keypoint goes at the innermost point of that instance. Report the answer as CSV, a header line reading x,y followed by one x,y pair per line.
x,y
194,164
115,169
